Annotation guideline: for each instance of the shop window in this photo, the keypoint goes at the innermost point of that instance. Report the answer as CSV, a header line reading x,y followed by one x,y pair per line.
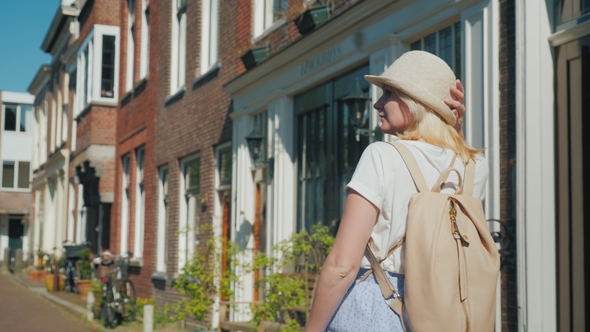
x,y
328,150
446,44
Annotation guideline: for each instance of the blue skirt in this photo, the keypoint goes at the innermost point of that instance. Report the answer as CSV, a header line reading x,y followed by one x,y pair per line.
x,y
363,307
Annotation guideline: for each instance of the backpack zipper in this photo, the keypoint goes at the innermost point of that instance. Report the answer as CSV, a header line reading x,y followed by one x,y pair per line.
x,y
462,272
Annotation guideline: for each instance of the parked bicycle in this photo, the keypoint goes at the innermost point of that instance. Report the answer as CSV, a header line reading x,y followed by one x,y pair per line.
x,y
119,298
70,265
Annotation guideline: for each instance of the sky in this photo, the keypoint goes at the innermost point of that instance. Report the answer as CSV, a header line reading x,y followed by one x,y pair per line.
x,y
23,26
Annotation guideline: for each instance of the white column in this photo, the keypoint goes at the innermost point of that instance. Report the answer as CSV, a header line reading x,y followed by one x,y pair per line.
x,y
282,192
535,168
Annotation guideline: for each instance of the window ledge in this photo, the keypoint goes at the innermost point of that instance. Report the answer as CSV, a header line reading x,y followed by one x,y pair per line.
x,y
277,24
206,77
136,262
159,276
224,187
175,97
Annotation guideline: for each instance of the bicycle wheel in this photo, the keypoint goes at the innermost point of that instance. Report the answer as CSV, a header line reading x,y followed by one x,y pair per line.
x,y
109,313
128,300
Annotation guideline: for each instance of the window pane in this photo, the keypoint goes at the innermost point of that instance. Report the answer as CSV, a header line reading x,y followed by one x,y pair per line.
x,y
279,9
8,174
446,45
26,112
108,67
225,166
457,66
192,174
416,46
430,43
10,118
23,174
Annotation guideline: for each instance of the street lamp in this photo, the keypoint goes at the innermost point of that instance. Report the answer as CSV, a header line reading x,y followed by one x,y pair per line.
x,y
358,105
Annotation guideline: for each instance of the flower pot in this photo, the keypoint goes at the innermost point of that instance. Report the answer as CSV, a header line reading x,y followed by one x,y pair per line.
x,y
34,275
311,18
49,283
254,56
83,288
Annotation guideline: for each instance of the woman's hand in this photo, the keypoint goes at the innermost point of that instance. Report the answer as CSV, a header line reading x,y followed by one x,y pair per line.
x,y
456,105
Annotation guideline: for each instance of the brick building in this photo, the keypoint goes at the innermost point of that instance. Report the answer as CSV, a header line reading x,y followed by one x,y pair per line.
x,y
132,226
96,66
196,52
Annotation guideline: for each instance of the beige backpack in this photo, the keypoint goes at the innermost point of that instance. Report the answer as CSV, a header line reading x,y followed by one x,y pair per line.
x,y
451,261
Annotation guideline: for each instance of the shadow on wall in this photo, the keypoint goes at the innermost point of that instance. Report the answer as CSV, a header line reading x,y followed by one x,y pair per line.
x,y
243,234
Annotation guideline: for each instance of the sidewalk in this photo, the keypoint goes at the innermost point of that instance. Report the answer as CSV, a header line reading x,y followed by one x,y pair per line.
x,y
23,310
71,303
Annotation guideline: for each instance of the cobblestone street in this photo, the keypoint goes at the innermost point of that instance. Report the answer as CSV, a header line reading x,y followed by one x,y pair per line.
x,y
23,310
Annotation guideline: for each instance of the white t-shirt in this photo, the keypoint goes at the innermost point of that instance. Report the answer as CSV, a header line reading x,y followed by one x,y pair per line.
x,y
382,177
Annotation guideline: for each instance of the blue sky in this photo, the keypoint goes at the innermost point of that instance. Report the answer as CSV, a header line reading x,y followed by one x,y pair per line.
x,y
23,25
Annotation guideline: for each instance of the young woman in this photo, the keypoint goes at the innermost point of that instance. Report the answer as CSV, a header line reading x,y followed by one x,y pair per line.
x,y
418,109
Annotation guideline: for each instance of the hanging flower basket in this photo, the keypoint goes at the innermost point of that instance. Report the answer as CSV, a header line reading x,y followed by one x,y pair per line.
x,y
311,18
254,56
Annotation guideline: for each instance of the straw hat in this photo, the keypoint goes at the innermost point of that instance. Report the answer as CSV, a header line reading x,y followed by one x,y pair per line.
x,y
424,77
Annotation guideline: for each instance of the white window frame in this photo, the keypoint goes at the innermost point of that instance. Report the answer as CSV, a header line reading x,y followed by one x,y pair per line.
x,y
16,164
145,40
263,16
124,242
28,124
92,45
178,49
209,34
139,227
81,227
65,104
71,217
163,213
188,216
58,116
130,43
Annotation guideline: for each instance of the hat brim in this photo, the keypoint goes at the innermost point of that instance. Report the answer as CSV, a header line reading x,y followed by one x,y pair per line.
x,y
420,95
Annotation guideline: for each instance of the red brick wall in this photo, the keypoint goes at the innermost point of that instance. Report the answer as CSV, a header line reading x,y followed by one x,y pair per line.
x,y
15,200
135,129
97,126
507,56
98,12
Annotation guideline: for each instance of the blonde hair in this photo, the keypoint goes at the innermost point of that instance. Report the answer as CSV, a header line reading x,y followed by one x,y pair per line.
x,y
429,126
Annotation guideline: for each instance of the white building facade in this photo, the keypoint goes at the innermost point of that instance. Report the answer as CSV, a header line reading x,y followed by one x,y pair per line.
x,y
16,152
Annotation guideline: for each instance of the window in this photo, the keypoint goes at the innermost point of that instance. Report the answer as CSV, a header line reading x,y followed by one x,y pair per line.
x,y
139,204
82,215
125,207
328,150
178,57
571,13
266,12
18,117
189,209
8,174
225,167
16,173
24,169
209,38
445,43
10,118
162,220
98,60
130,42
145,41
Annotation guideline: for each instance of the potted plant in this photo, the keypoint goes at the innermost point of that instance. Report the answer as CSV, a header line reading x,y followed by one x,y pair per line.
x,y
311,17
253,56
85,273
40,255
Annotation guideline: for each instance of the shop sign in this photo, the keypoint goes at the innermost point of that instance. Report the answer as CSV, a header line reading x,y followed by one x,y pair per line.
x,y
320,60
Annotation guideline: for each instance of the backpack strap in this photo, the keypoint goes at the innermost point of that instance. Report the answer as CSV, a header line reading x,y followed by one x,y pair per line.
x,y
410,162
469,178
